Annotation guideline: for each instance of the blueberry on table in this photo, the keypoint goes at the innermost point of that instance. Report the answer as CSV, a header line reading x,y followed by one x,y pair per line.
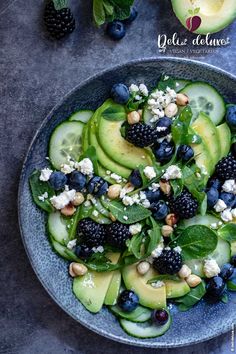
x,y
116,30
228,198
97,186
160,317
153,196
120,93
132,16
58,180
128,300
159,210
185,153
215,288
77,181
226,271
164,151
212,197
163,127
231,117
135,179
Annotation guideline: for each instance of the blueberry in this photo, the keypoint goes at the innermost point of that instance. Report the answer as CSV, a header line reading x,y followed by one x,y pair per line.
x,y
226,271
135,179
233,150
228,198
185,153
215,288
153,196
163,123
97,186
120,93
212,197
233,260
128,300
77,181
83,251
160,317
132,16
164,151
215,183
58,180
231,117
159,210
116,30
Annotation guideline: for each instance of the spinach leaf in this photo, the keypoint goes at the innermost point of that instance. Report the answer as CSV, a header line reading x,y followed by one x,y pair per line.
x,y
177,186
135,245
197,241
163,84
109,10
115,112
99,13
180,126
153,236
161,277
228,232
225,298
194,296
130,214
38,188
92,155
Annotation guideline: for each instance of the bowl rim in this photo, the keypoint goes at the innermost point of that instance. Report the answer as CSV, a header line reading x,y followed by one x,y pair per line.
x,y
138,342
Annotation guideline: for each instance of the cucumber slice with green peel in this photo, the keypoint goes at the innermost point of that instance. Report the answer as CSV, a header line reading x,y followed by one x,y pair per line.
x,y
205,98
85,138
81,116
140,314
57,227
145,329
224,139
180,84
63,251
206,220
65,142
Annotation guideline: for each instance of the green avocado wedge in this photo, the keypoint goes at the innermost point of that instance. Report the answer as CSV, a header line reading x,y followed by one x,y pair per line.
x,y
224,138
113,290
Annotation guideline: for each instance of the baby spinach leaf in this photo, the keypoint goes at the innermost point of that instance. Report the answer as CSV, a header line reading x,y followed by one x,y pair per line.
x,y
177,186
228,232
161,277
197,241
153,236
60,4
109,10
130,214
115,112
38,188
165,82
180,126
190,299
135,245
92,155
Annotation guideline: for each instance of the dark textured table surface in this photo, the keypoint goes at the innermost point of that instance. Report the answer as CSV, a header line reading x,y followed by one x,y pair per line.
x,y
35,73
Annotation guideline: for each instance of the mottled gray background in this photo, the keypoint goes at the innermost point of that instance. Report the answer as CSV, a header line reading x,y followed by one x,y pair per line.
x,y
35,74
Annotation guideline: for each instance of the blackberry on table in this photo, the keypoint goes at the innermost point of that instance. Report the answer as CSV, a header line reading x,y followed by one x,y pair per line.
x,y
140,135
117,234
91,233
226,168
185,205
169,262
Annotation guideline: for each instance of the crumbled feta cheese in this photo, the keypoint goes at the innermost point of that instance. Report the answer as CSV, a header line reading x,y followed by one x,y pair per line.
x,y
166,77
160,129
45,174
71,244
233,213
229,186
133,88
127,200
211,268
116,177
99,249
43,196
63,199
220,206
95,213
138,97
145,203
149,172
214,226
135,228
125,217
85,166
66,187
158,250
157,284
87,203
226,215
154,187
178,249
66,168
172,172
143,89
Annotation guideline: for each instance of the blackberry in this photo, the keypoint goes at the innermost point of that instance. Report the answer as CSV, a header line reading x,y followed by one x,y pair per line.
x,y
59,23
185,205
140,135
169,262
117,234
91,233
226,168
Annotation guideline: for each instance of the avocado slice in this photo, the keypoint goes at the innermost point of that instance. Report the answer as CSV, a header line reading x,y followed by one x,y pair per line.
x,y
116,147
224,139
91,288
155,298
176,288
212,16
113,290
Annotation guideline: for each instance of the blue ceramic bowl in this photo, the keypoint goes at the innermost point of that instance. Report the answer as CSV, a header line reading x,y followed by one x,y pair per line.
x,y
200,323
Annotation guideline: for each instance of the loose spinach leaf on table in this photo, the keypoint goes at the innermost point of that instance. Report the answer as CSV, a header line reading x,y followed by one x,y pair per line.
x,y
194,296
197,241
133,213
228,232
38,188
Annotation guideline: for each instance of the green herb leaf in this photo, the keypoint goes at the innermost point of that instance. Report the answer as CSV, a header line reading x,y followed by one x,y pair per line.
x,y
134,213
228,232
197,241
154,236
116,112
180,126
177,186
190,12
231,283
225,298
194,296
99,14
60,4
135,245
163,84
163,277
196,11
38,188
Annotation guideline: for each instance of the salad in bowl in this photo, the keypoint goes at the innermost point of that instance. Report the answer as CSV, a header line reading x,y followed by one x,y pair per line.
x,y
140,197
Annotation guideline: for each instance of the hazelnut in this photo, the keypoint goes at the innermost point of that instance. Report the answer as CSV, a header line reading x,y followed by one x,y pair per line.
x,y
171,110
182,99
140,111
133,117
165,187
114,191
77,269
78,199
166,230
68,210
193,280
171,219
184,272
143,267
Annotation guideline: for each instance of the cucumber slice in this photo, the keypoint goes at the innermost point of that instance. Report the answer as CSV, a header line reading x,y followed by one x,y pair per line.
x,y
145,329
63,251
66,141
57,227
180,84
85,138
81,116
205,98
140,314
